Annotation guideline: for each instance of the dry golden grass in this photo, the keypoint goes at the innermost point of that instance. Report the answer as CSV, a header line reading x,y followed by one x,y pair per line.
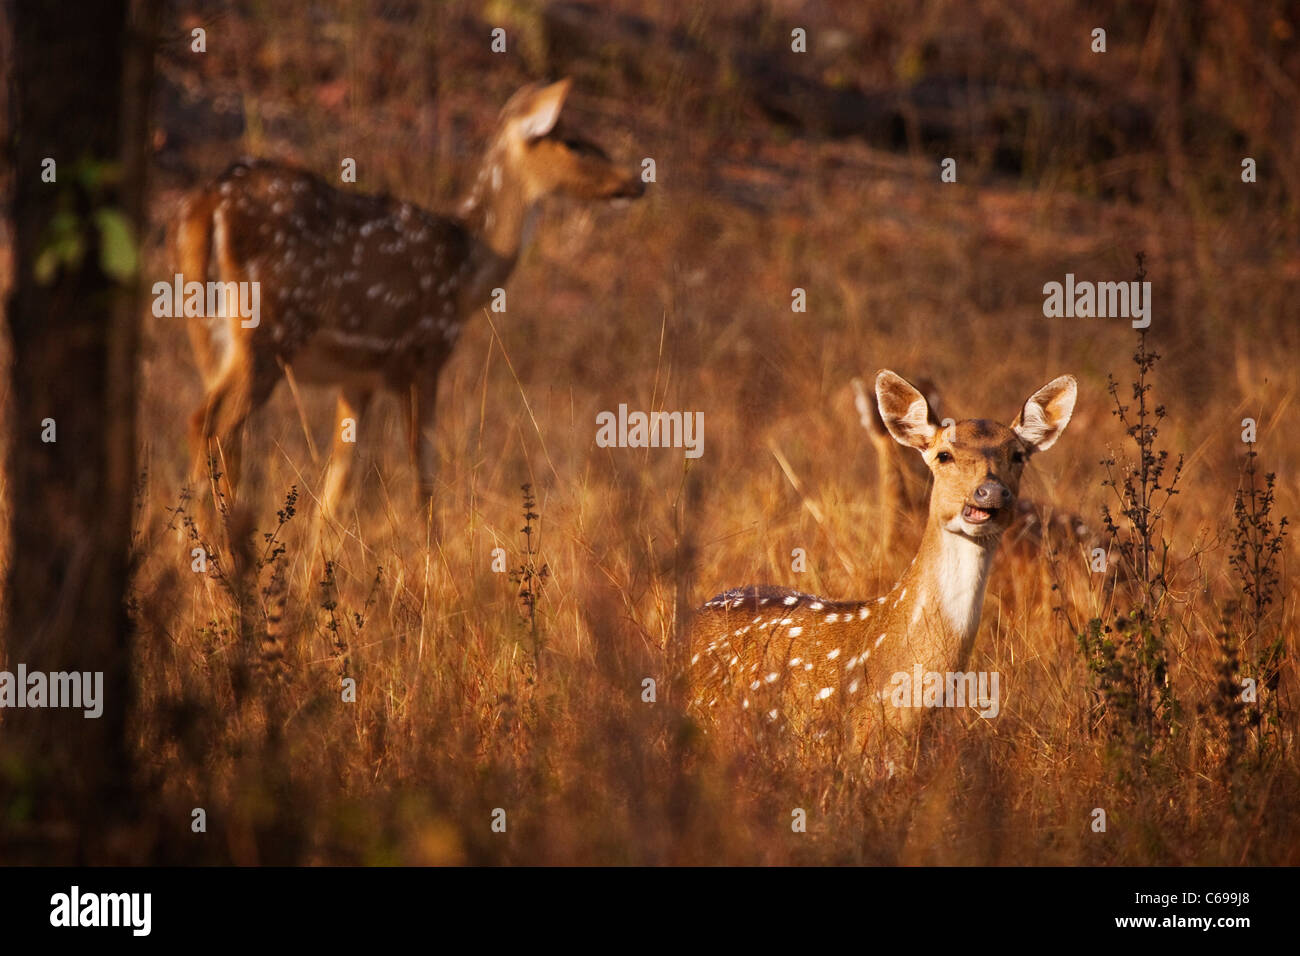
x,y
683,302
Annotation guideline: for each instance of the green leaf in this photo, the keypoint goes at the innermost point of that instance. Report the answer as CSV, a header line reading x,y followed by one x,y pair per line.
x,y
63,244
117,252
46,264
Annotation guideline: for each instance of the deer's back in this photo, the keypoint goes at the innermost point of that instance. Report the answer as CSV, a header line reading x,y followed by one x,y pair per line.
x,y
352,279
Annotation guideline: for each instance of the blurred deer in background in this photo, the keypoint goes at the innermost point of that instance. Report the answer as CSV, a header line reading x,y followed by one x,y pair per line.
x,y
902,480
802,658
364,292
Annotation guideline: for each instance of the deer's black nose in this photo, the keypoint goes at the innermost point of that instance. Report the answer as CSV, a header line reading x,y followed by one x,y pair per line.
x,y
992,494
632,188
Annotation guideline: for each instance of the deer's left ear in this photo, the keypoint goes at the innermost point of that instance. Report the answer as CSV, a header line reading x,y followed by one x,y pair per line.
x,y
1046,413
544,109
904,411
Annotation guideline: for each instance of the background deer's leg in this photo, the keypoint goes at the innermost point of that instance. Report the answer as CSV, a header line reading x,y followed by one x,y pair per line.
x,y
217,427
352,404
421,438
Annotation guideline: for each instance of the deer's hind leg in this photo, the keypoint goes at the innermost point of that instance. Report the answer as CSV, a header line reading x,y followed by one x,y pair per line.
x,y
217,426
352,404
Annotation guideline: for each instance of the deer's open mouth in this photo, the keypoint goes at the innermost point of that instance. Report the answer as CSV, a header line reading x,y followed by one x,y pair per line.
x,y
978,515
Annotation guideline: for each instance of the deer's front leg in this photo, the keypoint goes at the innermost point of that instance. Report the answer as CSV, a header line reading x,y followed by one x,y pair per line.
x,y
421,440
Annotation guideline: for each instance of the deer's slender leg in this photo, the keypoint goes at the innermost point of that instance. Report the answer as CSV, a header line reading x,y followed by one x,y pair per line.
x,y
352,404
217,426
421,435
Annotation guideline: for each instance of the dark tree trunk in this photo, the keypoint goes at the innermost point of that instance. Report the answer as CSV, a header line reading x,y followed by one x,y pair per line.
x,y
81,76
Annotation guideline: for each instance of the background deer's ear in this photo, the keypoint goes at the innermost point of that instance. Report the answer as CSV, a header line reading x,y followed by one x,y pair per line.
x,y
904,411
1046,413
542,110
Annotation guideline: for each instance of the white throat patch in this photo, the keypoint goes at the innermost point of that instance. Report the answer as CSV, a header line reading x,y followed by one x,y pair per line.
x,y
959,577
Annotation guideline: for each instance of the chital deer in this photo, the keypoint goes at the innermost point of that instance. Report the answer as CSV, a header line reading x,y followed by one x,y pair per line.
x,y
801,658
904,484
362,291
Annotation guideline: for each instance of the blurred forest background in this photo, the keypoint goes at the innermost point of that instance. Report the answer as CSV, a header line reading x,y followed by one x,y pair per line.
x,y
775,170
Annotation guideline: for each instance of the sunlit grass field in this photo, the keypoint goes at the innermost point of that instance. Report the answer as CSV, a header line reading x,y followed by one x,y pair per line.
x,y
469,700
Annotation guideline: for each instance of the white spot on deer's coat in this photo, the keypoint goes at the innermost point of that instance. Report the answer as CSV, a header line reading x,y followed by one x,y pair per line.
x,y
833,654
771,678
791,600
796,631
878,640
863,613
832,618
816,606
824,693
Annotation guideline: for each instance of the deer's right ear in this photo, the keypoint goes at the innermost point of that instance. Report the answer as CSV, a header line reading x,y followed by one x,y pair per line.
x,y
1046,413
543,110
904,411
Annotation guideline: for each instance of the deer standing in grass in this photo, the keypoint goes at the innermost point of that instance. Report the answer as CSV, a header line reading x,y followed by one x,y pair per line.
x,y
784,654
365,292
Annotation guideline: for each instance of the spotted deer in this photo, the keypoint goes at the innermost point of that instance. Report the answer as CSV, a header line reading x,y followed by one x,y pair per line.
x,y
903,481
805,659
365,292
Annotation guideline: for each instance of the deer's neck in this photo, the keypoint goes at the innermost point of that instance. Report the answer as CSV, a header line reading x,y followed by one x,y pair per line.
x,y
499,215
935,609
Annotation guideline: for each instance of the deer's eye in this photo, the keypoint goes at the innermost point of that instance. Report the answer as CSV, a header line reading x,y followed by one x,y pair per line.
x,y
582,148
1018,457
943,457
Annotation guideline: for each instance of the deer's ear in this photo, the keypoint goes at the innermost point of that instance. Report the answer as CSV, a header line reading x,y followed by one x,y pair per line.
x,y
543,109
904,411
1046,413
